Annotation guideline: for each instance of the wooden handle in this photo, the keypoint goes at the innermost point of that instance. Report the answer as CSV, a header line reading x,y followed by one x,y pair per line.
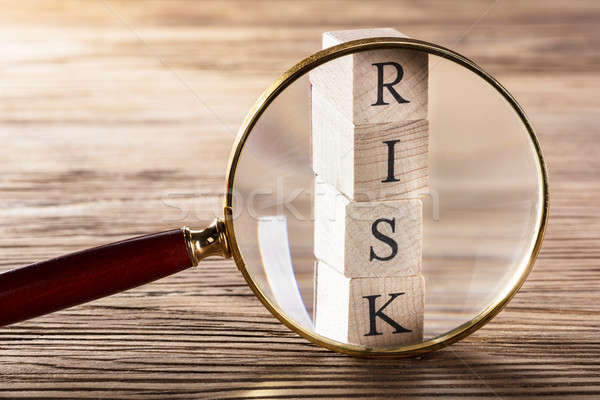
x,y
73,279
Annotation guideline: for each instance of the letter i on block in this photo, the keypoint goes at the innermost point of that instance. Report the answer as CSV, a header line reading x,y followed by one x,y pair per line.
x,y
370,138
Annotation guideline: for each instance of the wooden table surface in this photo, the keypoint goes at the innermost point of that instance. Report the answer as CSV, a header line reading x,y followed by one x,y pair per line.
x,y
116,119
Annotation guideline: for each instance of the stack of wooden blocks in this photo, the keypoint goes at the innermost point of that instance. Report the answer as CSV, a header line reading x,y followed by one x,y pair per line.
x,y
370,155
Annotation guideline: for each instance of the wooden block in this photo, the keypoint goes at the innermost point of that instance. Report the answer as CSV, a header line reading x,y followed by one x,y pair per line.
x,y
367,239
333,38
329,226
374,86
369,162
384,311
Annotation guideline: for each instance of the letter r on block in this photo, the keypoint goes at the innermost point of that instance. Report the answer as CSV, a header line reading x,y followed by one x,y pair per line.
x,y
389,85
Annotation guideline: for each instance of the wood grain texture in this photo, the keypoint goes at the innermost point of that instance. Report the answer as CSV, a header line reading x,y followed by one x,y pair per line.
x,y
101,102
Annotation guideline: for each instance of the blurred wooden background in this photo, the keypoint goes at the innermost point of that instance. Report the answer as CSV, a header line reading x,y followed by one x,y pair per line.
x,y
116,119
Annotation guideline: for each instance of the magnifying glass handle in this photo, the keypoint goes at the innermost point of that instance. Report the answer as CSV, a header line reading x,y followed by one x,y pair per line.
x,y
87,275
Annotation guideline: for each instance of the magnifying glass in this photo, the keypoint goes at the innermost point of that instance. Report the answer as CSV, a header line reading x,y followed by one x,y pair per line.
x,y
384,197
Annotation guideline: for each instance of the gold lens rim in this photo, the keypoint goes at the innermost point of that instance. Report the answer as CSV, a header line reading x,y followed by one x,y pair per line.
x,y
298,70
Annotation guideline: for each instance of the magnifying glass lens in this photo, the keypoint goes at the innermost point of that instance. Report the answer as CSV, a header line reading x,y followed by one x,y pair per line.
x,y
386,198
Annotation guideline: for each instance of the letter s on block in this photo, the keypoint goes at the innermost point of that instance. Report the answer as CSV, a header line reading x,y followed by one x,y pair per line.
x,y
384,238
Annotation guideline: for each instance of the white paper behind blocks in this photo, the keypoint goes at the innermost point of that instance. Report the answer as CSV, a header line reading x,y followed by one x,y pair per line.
x,y
279,270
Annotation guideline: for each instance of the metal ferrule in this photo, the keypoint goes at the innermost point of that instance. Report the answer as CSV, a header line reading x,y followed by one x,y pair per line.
x,y
211,241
